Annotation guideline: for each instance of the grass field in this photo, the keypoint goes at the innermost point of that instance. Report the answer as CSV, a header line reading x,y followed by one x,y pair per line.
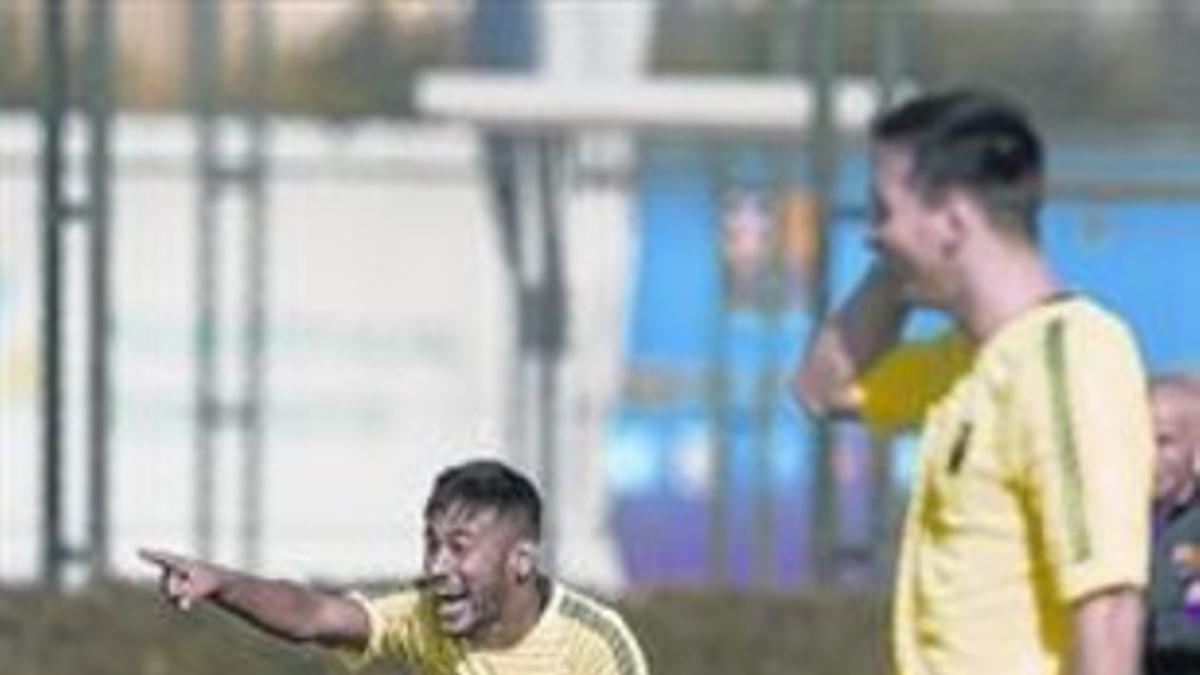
x,y
125,630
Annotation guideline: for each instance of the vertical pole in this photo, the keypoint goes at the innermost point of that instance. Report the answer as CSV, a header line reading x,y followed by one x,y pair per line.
x,y
502,158
5,37
205,75
772,305
529,262
503,34
785,52
890,44
717,382
824,173
785,63
257,239
99,106
550,340
53,104
889,67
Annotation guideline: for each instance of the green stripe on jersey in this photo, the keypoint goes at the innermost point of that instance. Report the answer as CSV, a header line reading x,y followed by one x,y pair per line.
x,y
1065,444
608,631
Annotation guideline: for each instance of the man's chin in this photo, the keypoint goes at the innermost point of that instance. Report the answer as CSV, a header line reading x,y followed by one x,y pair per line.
x,y
459,628
455,623
915,295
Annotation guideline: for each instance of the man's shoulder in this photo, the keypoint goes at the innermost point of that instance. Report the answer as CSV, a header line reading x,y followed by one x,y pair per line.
x,y
1069,323
576,605
1088,311
597,631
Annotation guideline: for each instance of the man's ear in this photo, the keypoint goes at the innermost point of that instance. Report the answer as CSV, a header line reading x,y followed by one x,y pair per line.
x,y
523,560
962,214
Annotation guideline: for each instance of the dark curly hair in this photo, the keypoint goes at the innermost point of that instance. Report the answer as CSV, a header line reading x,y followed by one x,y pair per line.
x,y
484,484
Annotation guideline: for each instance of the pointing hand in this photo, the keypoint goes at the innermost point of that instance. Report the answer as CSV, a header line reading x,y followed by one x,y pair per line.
x,y
183,580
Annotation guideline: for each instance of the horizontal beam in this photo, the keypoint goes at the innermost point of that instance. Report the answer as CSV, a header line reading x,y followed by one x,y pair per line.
x,y
713,104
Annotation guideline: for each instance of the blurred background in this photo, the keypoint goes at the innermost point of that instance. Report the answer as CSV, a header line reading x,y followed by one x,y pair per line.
x,y
267,266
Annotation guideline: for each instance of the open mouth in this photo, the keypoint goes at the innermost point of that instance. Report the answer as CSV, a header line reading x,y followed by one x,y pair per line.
x,y
451,604
450,598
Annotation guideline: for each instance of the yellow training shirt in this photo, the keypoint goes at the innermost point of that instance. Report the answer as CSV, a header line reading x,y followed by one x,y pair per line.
x,y
1033,487
574,636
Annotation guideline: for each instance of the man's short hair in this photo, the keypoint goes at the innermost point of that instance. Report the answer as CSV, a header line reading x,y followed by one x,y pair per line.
x,y
1186,384
488,484
975,140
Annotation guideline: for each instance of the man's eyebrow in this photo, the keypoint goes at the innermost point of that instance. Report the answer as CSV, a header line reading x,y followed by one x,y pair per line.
x,y
457,530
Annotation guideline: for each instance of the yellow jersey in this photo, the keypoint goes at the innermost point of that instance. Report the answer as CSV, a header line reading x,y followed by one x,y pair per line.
x,y
1033,486
575,635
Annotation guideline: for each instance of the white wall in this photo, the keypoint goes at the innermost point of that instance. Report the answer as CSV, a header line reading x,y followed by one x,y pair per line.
x,y
387,317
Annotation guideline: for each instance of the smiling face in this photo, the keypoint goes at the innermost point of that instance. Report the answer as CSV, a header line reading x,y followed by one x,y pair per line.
x,y
1175,461
475,557
912,234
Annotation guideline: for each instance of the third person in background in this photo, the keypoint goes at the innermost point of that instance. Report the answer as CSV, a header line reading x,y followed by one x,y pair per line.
x,y
1173,602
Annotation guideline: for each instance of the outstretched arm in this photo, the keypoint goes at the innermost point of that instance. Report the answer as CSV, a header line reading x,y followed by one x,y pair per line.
x,y
285,609
848,341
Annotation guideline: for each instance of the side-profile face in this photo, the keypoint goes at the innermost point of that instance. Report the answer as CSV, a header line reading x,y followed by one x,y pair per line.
x,y
469,554
911,234
1175,461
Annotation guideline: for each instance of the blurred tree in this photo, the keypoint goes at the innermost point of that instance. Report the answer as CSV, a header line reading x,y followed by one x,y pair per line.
x,y
1135,67
367,67
17,86
687,32
1069,71
1179,29
1069,67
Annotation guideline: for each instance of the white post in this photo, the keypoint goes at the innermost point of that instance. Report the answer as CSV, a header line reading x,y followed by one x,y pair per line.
x,y
586,41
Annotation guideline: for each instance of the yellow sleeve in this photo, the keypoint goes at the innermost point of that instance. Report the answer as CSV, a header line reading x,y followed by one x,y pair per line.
x,y
1090,453
894,393
401,627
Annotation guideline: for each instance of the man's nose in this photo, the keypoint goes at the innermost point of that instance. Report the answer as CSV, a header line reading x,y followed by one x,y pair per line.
x,y
440,563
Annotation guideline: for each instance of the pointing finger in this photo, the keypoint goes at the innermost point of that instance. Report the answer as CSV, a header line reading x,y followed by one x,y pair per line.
x,y
166,561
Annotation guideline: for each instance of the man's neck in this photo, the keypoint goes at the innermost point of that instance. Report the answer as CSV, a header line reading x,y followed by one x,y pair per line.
x,y
519,613
1002,287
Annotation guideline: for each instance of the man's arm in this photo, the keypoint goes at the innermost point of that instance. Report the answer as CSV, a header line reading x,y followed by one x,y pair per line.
x,y
1106,633
848,341
283,608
